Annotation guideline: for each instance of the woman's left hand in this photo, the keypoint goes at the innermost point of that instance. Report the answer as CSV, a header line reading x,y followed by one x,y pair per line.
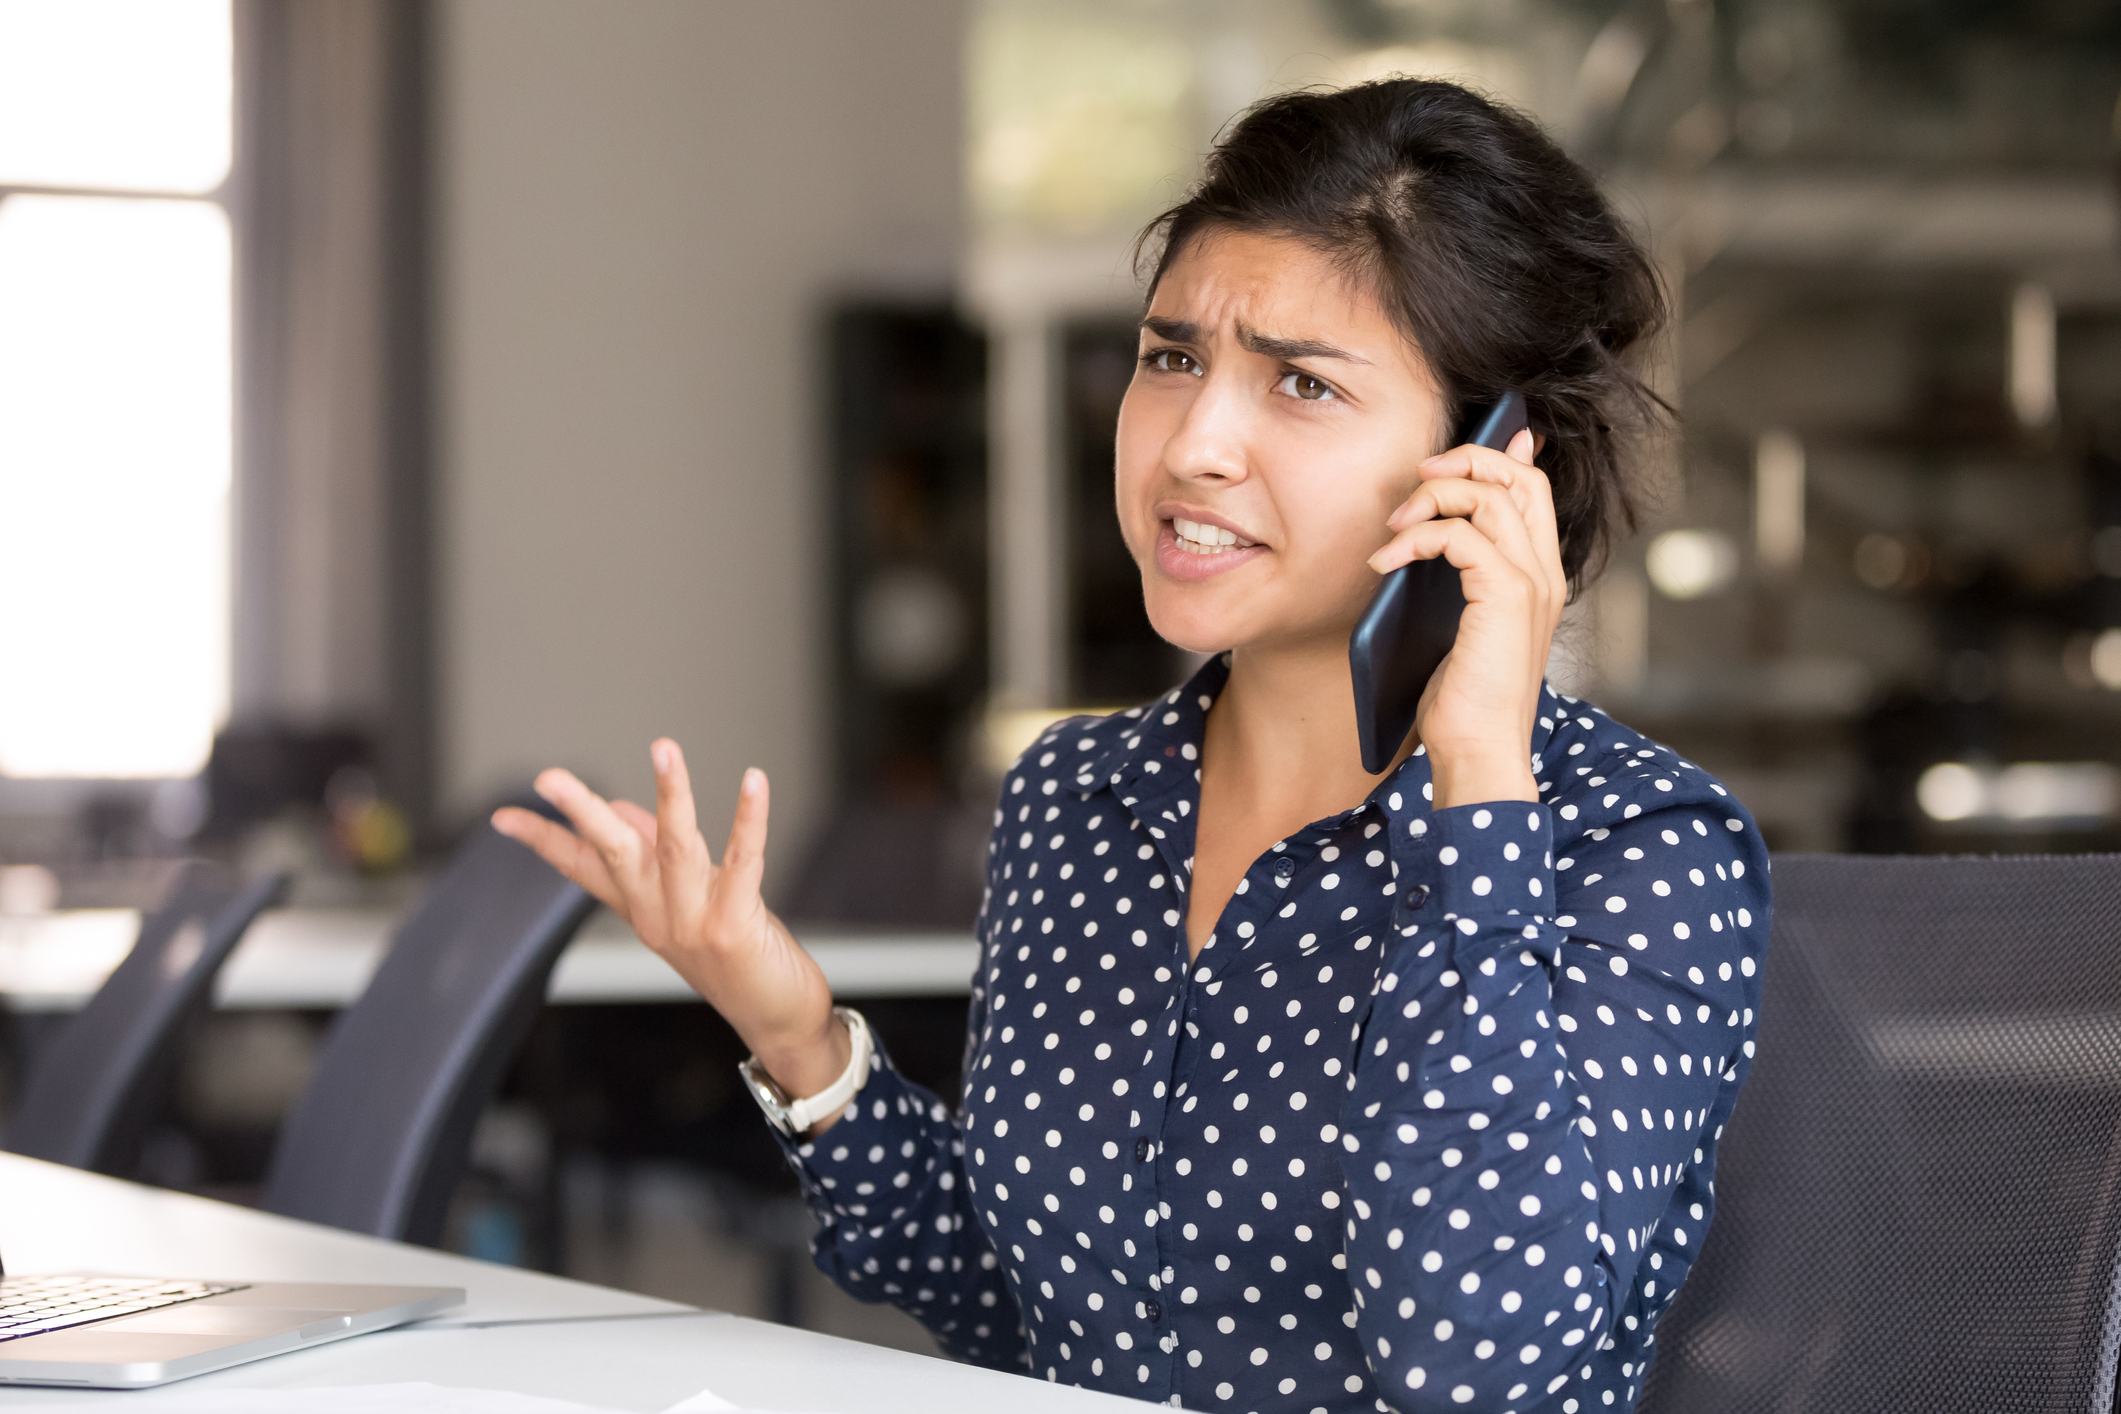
x,y
1491,514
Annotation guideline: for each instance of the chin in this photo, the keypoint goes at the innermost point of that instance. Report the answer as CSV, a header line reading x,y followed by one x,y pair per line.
x,y
1198,622
1194,623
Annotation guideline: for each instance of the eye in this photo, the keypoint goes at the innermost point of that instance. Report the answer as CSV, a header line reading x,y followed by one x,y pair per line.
x,y
1312,389
1172,361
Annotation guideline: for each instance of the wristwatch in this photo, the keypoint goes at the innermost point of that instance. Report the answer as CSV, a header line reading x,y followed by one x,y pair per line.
x,y
796,1118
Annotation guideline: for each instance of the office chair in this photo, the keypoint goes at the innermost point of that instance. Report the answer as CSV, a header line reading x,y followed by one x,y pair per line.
x,y
383,1132
94,1088
1919,1195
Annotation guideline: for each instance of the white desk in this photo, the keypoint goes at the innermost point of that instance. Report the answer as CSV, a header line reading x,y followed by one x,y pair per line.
x,y
519,1330
56,1219
322,958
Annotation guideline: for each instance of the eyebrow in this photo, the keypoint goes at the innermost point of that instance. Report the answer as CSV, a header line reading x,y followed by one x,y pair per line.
x,y
1185,331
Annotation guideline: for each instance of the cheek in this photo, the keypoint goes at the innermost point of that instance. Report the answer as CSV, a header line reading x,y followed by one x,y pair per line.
x,y
1335,520
1336,517
1137,451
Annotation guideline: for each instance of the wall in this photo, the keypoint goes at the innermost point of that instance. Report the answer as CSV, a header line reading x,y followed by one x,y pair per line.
x,y
644,207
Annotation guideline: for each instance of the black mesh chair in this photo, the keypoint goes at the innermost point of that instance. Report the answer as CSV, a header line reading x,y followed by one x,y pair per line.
x,y
1919,1196
96,1084
383,1133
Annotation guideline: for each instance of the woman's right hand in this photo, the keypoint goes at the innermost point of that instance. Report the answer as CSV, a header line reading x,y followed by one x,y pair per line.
x,y
706,920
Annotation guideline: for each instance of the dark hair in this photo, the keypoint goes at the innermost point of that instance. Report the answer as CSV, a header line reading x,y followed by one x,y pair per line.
x,y
1492,250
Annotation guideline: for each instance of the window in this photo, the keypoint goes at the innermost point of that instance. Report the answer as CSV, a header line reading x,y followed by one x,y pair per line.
x,y
116,123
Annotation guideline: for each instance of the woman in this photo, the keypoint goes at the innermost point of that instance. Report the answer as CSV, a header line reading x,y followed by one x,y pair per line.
x,y
1291,1087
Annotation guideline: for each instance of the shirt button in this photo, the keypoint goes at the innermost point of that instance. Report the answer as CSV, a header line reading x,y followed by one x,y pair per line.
x,y
1417,896
1284,867
1151,1311
1142,1149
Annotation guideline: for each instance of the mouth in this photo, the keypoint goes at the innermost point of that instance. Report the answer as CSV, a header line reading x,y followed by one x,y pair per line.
x,y
1189,550
1199,538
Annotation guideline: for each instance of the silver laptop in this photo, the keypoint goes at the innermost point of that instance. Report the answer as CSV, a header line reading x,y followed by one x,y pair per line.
x,y
129,1332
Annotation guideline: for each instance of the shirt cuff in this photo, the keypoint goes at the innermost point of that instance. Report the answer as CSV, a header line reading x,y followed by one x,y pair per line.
x,y
1488,862
838,1169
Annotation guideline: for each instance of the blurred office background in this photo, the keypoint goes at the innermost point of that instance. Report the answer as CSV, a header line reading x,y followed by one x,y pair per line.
x,y
397,396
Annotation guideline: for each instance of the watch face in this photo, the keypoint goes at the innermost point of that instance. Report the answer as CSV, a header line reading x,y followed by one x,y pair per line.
x,y
762,1091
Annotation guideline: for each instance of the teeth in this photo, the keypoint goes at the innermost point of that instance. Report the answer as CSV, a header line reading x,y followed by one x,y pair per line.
x,y
1198,538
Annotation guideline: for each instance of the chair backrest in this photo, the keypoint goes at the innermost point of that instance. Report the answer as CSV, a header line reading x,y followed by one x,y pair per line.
x,y
1918,1199
382,1134
94,1087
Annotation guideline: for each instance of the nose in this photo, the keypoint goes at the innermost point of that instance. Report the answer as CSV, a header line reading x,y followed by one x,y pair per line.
x,y
1208,446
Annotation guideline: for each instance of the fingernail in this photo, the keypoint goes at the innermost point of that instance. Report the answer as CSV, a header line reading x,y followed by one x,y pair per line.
x,y
753,779
499,821
659,753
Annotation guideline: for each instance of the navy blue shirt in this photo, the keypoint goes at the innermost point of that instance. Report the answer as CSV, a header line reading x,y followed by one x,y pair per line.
x,y
1430,1122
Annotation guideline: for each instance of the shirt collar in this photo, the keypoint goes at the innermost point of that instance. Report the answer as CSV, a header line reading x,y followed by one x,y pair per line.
x,y
1154,749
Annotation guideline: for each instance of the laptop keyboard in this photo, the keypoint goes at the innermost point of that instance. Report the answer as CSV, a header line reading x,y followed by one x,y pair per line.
x,y
35,1305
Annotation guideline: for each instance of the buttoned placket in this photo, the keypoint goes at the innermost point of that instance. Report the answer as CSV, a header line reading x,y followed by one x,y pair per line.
x,y
1164,814
1170,830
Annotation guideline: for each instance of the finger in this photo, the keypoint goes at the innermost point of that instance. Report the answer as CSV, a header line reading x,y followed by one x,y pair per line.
x,y
1529,487
1490,507
1489,574
595,821
641,822
744,860
1507,596
570,854
680,852
1485,464
1470,458
1539,517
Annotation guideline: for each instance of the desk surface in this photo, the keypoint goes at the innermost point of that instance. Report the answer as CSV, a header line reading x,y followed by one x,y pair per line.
x,y
518,1331
322,958
56,1219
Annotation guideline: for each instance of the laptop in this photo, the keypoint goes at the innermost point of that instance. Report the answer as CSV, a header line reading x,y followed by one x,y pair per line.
x,y
131,1332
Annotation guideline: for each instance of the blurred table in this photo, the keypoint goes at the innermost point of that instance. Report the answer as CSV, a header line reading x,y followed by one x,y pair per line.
x,y
518,1330
319,958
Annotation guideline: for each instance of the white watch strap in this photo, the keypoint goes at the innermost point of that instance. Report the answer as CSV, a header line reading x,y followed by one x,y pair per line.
x,y
803,1114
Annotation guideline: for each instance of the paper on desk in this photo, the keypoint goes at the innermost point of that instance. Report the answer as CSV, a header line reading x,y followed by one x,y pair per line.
x,y
705,1402
708,1402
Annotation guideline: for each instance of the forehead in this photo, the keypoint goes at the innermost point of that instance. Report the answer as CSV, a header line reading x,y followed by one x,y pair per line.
x,y
1277,286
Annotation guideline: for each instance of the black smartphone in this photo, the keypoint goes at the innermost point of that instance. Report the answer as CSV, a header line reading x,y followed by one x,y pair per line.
x,y
1412,620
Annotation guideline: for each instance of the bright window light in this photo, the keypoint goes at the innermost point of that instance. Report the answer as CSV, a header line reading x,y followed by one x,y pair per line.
x,y
114,472
128,94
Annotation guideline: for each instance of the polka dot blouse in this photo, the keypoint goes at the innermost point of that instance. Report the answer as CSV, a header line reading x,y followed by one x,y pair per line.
x,y
1430,1123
